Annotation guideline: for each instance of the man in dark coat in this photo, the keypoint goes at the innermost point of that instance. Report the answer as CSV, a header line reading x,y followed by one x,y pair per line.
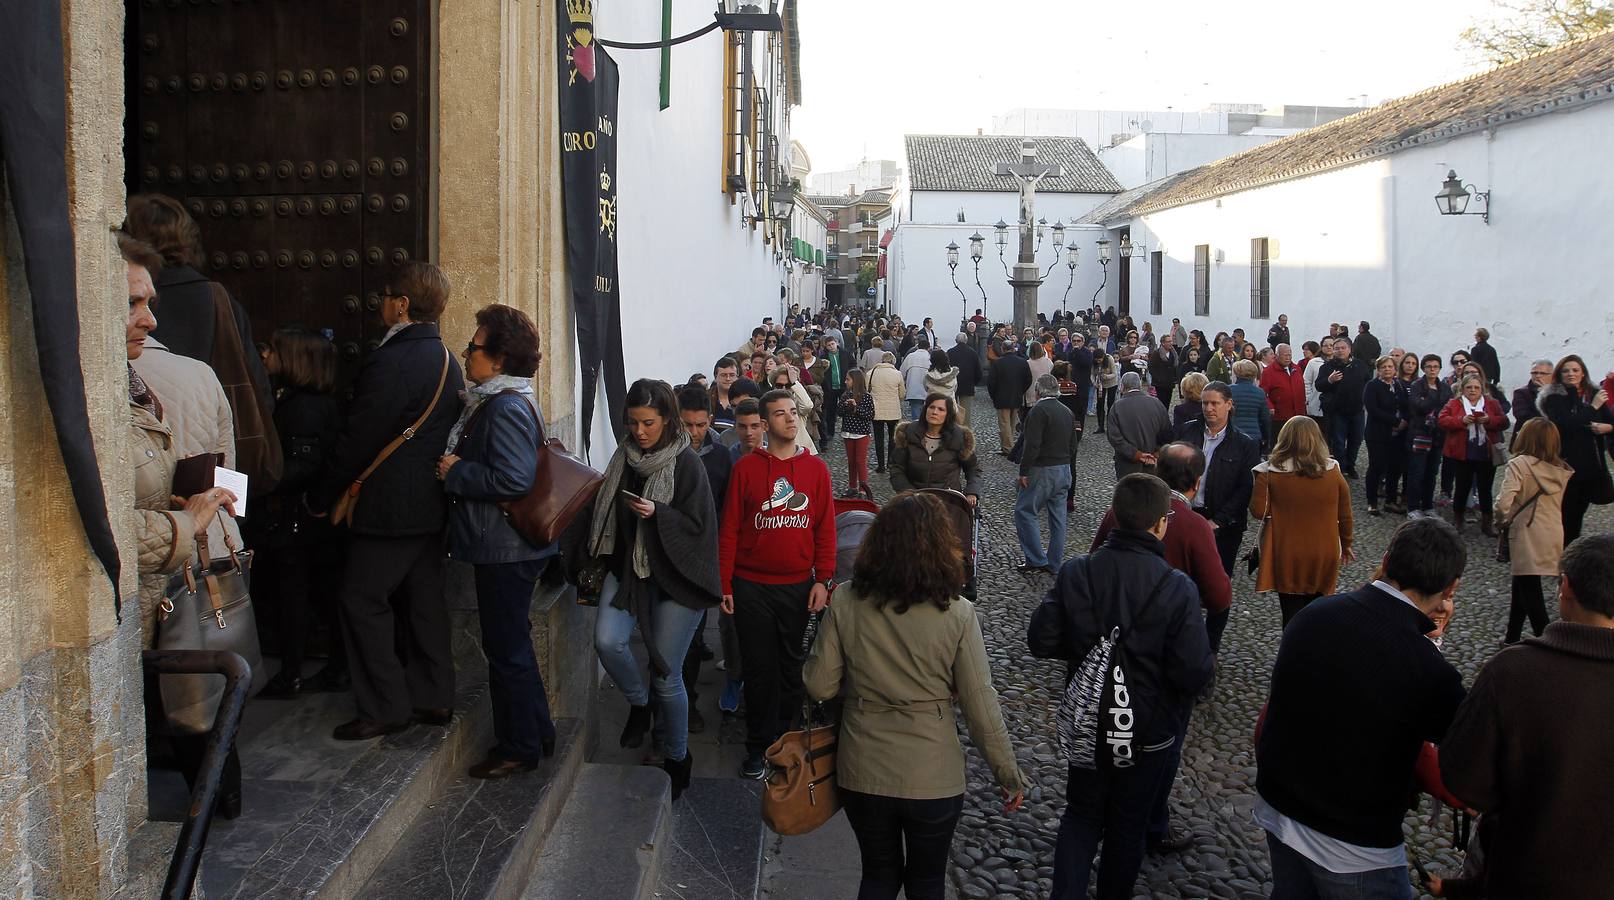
x,y
1524,399
695,410
1168,661
1533,738
968,364
1357,689
1163,366
396,547
1230,457
1279,333
1484,354
1007,380
1366,347
1341,381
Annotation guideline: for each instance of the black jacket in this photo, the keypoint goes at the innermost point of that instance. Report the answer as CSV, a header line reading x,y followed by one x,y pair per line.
x,y
1230,477
718,462
1524,404
1169,656
403,497
1081,366
1424,404
1356,690
1484,354
1343,397
1366,348
1387,407
1007,381
308,424
963,358
1582,449
498,453
1277,334
186,325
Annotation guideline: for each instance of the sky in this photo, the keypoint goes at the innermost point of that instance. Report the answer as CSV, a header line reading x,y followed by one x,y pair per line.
x,y
874,70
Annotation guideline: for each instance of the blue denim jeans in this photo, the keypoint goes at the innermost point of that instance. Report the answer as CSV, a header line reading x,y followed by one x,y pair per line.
x,y
521,721
1294,877
672,627
1044,492
916,409
1423,470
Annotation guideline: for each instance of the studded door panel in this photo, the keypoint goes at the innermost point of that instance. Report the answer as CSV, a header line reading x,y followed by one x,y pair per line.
x,y
294,131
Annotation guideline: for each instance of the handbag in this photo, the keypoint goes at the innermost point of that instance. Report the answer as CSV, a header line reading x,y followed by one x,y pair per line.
x,y
342,509
1499,454
207,606
800,792
1504,549
562,486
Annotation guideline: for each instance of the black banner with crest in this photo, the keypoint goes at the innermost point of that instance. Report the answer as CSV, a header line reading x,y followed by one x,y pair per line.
x,y
588,119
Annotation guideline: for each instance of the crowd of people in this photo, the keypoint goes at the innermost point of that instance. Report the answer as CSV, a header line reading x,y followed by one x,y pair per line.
x,y
717,497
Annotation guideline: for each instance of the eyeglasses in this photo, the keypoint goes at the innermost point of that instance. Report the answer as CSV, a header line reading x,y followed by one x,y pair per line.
x,y
1540,372
473,347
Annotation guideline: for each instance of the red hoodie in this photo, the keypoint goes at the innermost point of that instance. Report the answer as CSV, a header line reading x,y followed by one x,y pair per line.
x,y
778,522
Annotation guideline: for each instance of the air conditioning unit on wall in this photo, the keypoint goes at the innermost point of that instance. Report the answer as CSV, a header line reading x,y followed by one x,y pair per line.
x,y
1221,256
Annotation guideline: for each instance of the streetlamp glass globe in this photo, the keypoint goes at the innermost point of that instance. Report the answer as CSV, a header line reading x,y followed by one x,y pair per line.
x,y
1103,251
952,254
1072,254
977,246
1042,224
1059,233
1453,197
1002,229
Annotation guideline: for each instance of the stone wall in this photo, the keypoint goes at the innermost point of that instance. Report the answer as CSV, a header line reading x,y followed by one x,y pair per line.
x,y
72,754
72,748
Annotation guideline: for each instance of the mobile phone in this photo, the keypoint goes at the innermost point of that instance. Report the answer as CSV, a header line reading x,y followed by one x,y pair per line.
x,y
632,496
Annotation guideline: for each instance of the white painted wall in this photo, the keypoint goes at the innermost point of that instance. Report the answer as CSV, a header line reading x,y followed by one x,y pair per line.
x,y
1150,157
921,284
694,279
941,207
1366,243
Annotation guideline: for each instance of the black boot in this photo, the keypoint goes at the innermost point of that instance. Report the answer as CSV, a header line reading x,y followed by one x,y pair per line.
x,y
638,724
678,771
1457,517
1485,523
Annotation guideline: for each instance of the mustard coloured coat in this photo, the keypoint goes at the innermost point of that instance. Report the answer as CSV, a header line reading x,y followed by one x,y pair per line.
x,y
1535,535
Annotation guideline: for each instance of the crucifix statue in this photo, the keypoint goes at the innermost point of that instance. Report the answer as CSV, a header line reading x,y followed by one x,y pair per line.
x,y
1027,276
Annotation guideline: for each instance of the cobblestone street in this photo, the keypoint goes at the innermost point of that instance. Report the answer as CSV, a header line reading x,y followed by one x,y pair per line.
x,y
1001,856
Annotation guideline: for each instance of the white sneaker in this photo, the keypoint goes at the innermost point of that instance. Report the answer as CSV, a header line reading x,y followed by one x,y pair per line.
x,y
1414,513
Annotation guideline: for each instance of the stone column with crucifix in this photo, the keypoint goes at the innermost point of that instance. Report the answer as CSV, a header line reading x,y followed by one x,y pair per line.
x,y
1027,275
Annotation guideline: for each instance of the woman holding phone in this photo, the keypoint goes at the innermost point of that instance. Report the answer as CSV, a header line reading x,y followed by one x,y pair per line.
x,y
654,525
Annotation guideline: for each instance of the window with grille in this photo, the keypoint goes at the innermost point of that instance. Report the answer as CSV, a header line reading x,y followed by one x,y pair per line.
x,y
1260,279
1157,293
1202,268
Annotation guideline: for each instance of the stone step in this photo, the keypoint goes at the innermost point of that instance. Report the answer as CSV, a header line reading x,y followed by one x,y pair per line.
x,y
611,838
717,844
480,840
334,845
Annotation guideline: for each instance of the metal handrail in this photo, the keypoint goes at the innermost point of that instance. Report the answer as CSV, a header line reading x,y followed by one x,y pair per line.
x,y
199,818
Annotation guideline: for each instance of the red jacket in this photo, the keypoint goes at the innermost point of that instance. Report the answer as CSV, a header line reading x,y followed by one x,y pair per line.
x,y
1451,421
1190,549
1286,393
778,521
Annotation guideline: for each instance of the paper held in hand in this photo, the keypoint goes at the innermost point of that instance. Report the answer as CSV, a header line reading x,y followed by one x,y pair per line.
x,y
234,482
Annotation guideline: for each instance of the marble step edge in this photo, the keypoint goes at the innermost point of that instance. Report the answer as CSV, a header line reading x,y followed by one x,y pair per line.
x,y
480,840
334,847
610,839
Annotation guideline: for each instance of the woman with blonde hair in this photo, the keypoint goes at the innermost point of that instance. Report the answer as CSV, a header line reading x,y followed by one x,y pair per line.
x,y
1304,506
1529,511
1189,409
788,378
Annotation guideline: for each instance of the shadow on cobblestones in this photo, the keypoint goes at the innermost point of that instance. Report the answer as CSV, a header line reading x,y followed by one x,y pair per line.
x,y
1012,856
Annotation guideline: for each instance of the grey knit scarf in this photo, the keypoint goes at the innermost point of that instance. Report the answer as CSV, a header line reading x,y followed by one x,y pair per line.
x,y
657,469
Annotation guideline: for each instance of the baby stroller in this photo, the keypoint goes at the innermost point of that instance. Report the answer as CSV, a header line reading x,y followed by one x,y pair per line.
x,y
967,525
852,520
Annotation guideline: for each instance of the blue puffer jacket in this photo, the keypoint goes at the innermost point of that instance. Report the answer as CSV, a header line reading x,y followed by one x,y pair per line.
x,y
1251,415
498,454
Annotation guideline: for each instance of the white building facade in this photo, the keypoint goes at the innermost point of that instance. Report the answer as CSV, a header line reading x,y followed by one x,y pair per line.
x,y
700,258
951,191
809,236
1326,238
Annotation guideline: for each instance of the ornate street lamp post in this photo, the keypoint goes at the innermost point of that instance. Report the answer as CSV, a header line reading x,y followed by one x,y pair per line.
x,y
1104,266
952,266
1072,255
